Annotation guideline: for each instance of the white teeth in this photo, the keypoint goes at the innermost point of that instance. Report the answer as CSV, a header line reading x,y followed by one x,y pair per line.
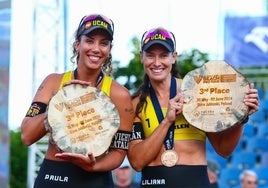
x,y
156,70
94,58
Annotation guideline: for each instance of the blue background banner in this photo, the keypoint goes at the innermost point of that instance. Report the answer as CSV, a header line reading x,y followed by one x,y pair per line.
x,y
5,18
246,41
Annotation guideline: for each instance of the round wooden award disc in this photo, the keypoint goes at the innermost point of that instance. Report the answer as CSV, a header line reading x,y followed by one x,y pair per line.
x,y
214,95
169,158
82,119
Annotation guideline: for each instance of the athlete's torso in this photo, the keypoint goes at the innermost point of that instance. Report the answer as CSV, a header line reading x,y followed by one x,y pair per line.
x,y
183,130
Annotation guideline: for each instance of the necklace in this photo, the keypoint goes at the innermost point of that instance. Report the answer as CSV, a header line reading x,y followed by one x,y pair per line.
x,y
100,77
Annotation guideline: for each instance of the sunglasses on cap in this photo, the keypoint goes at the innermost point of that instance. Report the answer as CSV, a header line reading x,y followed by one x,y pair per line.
x,y
163,32
93,17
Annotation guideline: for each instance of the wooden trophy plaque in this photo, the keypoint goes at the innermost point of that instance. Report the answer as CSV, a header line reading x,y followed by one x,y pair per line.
x,y
82,119
214,95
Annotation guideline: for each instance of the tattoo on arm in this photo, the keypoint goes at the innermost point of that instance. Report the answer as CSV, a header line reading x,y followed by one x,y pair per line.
x,y
129,110
40,88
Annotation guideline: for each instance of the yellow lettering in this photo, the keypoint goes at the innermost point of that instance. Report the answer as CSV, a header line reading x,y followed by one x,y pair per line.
x,y
100,23
158,37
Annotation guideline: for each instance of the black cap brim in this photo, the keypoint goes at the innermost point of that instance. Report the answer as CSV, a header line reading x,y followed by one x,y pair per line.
x,y
150,43
89,30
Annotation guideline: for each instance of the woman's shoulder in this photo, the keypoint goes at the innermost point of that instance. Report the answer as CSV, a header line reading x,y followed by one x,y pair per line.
x,y
54,76
119,90
48,87
53,79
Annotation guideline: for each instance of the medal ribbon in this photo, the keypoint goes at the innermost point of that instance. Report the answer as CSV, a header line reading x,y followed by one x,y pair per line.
x,y
169,139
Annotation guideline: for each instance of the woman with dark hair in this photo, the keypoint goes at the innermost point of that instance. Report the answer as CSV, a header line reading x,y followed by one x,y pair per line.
x,y
92,55
167,149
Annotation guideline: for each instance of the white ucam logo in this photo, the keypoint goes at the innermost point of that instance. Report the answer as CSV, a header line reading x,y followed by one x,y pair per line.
x,y
56,178
259,37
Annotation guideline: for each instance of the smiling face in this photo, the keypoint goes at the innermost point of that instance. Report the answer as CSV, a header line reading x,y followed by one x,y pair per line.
x,y
157,62
93,49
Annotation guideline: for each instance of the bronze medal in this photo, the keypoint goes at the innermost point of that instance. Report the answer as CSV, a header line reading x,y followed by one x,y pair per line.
x,y
169,158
